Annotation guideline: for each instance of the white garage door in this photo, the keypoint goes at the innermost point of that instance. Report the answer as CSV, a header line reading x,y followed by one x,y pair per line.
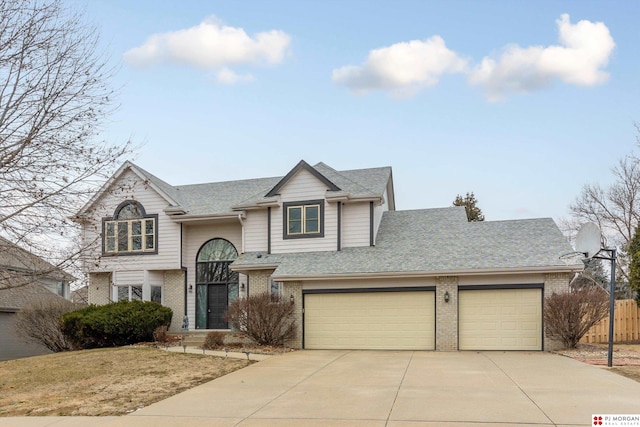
x,y
500,319
370,321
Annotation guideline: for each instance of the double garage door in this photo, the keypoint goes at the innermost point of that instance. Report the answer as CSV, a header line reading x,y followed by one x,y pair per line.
x,y
488,319
370,320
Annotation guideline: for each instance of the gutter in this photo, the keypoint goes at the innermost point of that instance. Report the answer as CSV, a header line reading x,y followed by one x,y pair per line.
x,y
190,218
241,219
398,275
248,267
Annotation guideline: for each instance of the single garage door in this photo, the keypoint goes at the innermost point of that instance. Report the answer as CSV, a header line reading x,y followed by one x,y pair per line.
x,y
12,346
370,320
500,319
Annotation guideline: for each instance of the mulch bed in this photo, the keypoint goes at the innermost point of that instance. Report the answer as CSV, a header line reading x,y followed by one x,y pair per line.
x,y
597,355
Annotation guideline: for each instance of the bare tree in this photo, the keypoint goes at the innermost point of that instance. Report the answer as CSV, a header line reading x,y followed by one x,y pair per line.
x,y
40,322
615,209
568,316
54,95
265,318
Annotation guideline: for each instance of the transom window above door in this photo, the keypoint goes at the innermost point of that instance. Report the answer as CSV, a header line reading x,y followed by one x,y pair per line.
x,y
130,231
303,219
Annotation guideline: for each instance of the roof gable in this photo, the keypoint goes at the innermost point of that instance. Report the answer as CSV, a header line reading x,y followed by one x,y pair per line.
x,y
306,166
164,190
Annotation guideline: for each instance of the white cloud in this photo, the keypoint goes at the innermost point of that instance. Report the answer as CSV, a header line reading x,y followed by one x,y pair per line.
x,y
403,68
584,50
211,45
229,77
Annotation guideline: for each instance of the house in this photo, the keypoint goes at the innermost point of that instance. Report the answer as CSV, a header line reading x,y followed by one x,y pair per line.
x,y
23,278
361,274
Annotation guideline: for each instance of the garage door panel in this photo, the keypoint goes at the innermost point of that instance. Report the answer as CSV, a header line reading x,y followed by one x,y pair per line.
x,y
500,319
370,320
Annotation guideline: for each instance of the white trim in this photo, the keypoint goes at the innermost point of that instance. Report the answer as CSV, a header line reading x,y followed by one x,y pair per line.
x,y
126,165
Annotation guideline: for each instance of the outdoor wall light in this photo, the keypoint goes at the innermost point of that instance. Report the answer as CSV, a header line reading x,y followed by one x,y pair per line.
x,y
242,287
446,296
291,300
191,288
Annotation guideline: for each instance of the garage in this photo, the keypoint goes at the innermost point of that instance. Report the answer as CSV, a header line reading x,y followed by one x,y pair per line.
x,y
499,318
13,346
373,319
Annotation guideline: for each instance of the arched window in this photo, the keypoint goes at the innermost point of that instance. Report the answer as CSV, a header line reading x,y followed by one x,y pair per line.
x,y
217,250
130,231
216,283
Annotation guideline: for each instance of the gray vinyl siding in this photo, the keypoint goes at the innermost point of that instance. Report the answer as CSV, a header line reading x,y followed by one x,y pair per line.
x,y
302,187
355,224
255,231
131,187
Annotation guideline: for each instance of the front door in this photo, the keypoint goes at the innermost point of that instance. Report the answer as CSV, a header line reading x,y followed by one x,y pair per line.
x,y
217,306
216,283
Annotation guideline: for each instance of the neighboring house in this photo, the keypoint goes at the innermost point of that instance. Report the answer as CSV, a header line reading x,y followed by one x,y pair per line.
x,y
360,274
80,296
23,278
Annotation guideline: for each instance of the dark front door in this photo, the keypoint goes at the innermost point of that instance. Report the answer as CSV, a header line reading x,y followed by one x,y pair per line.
x,y
217,295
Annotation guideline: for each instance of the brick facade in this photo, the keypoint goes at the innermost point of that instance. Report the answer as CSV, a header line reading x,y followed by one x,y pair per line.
x,y
447,313
173,297
555,283
99,288
259,281
295,289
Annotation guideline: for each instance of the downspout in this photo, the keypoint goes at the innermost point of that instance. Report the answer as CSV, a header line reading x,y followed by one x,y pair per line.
x,y
242,224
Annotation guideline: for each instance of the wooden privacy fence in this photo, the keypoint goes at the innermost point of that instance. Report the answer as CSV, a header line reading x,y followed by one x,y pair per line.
x,y
626,324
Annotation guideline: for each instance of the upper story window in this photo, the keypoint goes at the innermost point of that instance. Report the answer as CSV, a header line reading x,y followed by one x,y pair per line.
x,y
130,231
303,219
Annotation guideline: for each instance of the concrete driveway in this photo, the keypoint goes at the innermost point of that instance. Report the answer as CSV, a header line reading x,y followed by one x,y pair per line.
x,y
395,389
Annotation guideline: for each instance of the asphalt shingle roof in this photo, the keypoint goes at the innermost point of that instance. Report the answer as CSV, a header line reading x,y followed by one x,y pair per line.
x,y
218,198
432,240
13,299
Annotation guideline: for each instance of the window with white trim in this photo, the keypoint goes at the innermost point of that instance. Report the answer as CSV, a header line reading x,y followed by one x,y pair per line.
x,y
275,288
130,293
303,219
130,231
156,294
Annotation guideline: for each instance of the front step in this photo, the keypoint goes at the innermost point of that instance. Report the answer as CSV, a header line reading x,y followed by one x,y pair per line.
x,y
197,338
192,338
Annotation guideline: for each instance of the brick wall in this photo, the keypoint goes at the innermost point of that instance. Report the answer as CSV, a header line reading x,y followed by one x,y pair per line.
x,y
259,281
173,298
99,288
447,313
554,283
295,289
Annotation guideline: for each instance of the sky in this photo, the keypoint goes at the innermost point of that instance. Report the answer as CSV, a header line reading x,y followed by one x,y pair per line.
x,y
520,102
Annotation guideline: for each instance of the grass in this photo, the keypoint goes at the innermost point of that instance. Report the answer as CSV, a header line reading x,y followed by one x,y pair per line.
x,y
113,381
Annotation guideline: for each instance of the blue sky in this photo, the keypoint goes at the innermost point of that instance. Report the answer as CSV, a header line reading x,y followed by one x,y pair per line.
x,y
521,102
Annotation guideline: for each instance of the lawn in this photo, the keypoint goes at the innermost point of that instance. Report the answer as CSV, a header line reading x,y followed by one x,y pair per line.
x,y
112,381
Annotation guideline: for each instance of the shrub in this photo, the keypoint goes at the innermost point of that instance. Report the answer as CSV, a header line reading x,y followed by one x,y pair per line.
x,y
115,324
160,334
39,322
568,316
214,340
266,319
